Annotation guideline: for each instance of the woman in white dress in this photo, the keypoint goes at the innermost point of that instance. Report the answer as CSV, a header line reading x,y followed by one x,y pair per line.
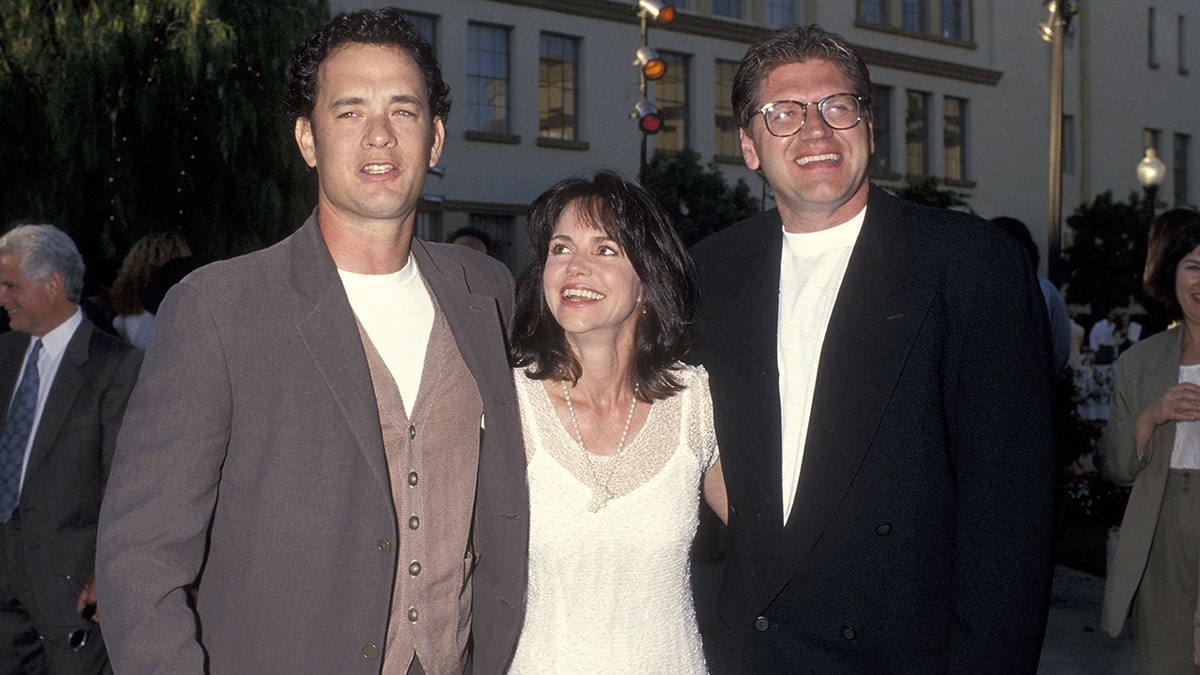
x,y
618,435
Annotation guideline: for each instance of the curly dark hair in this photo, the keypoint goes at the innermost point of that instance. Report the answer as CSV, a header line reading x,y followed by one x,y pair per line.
x,y
384,26
796,44
1179,237
629,216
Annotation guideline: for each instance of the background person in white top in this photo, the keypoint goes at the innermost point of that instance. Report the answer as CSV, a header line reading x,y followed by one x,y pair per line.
x,y
886,442
1152,442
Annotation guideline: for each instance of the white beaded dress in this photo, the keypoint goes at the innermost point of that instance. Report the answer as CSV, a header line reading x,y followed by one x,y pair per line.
x,y
610,590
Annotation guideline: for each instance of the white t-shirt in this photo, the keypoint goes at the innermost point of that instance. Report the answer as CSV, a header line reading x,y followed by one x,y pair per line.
x,y
396,310
810,276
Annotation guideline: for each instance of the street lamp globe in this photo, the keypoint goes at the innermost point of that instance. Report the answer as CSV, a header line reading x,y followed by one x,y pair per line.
x,y
1151,171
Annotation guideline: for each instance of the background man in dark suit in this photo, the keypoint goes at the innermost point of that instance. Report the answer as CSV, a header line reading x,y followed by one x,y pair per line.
x,y
325,436
880,381
63,389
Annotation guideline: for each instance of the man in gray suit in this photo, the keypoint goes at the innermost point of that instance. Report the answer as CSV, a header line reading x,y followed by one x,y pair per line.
x,y
324,441
63,390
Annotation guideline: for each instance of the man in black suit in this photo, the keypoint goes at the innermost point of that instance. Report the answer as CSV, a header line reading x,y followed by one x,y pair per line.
x,y
63,389
879,373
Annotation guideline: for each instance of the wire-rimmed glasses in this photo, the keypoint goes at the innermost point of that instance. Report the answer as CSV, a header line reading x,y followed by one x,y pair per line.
x,y
839,112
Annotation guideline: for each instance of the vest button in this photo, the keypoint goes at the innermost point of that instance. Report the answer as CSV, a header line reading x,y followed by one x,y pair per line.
x,y
849,633
761,624
412,478
370,651
412,431
412,614
414,568
414,522
883,529
383,545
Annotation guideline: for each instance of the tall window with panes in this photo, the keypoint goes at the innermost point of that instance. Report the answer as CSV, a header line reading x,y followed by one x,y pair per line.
x,y
726,143
881,123
488,78
558,87
954,137
916,133
730,8
1179,167
779,13
671,99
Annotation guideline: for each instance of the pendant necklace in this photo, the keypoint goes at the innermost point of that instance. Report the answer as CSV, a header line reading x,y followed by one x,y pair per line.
x,y
600,490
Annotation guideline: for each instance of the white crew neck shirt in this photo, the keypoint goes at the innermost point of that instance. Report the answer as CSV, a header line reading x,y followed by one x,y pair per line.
x,y
810,275
396,311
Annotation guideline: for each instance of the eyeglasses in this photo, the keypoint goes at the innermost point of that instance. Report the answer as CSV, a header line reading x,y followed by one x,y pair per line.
x,y
838,111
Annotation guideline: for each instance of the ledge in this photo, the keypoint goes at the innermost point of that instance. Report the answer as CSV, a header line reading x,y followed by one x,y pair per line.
x,y
492,137
562,144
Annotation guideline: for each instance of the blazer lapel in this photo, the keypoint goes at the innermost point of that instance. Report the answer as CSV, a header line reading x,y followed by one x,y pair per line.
x,y
469,316
875,320
63,391
330,334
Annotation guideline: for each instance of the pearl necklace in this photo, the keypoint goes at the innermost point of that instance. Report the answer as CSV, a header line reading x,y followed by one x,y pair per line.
x,y
601,493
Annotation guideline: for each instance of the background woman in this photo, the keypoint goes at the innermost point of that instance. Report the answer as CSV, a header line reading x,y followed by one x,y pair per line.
x,y
1153,442
618,434
133,321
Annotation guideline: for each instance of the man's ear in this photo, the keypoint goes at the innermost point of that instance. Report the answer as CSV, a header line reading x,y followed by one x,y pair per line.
x,y
305,141
439,140
749,152
55,284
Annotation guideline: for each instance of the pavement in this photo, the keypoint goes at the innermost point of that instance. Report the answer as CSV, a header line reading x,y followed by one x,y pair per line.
x,y
1074,645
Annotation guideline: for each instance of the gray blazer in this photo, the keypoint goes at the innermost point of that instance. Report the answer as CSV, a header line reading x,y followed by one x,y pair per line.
x,y
1144,372
69,461
252,454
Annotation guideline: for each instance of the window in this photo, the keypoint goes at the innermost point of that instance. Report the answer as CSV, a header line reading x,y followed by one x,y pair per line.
x,y
881,122
487,79
873,11
954,137
1179,168
427,225
952,20
726,142
1181,44
558,87
912,15
1068,145
730,8
916,133
779,13
1151,54
670,97
426,26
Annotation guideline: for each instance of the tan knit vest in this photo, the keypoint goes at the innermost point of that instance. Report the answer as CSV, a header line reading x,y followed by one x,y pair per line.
x,y
433,458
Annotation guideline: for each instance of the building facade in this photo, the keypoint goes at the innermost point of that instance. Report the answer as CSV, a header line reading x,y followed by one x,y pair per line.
x,y
544,89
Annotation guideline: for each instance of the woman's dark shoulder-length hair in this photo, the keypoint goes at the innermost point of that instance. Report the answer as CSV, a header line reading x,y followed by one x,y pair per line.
x,y
1182,237
629,216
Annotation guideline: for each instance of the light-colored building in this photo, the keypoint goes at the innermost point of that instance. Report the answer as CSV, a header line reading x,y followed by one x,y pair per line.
x,y
544,88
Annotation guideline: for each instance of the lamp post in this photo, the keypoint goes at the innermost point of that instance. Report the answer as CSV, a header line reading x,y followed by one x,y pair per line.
x,y
1054,30
1150,174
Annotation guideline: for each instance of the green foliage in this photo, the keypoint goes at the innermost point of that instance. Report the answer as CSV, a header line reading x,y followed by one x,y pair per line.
x,y
928,191
698,200
124,117
1105,259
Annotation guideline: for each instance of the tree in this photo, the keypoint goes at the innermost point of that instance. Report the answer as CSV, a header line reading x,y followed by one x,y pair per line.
x,y
1105,259
698,200
928,191
124,117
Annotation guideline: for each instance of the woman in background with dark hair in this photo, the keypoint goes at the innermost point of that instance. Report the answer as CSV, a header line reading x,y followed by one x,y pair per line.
x,y
1152,441
618,434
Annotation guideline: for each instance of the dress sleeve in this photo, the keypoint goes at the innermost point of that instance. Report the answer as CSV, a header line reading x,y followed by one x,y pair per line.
x,y
702,436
